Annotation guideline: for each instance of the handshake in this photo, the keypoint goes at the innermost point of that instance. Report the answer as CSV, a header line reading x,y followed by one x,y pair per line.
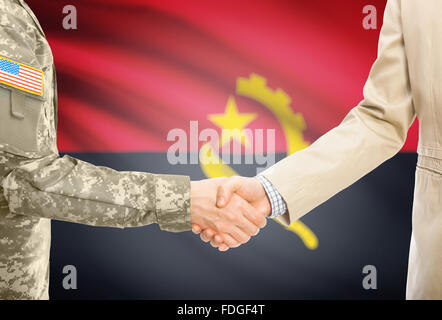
x,y
227,211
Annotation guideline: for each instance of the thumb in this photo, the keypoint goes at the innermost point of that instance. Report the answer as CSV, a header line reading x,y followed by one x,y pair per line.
x,y
226,191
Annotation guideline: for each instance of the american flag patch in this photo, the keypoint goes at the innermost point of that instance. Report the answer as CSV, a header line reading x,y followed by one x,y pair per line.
x,y
20,76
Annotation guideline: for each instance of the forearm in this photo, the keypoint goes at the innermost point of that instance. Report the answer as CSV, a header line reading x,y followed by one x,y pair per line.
x,y
72,190
335,161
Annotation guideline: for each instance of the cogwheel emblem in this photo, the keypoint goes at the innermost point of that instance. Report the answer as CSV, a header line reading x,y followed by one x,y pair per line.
x,y
293,124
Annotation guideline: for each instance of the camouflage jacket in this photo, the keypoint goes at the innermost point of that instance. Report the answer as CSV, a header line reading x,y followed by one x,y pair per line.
x,y
36,185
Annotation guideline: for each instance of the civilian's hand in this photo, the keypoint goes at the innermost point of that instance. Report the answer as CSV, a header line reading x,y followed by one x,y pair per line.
x,y
236,221
249,189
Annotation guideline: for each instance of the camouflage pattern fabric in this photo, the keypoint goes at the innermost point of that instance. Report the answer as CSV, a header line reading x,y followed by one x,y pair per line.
x,y
36,185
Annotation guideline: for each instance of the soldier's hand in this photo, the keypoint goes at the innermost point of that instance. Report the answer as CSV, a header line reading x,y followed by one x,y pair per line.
x,y
233,225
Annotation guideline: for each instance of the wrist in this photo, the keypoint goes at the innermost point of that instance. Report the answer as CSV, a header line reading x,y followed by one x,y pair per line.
x,y
194,185
274,201
264,205
172,210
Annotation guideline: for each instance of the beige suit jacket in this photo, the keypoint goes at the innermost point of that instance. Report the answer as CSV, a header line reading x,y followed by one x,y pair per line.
x,y
405,81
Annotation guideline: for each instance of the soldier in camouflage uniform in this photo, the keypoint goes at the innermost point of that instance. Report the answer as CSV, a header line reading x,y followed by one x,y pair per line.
x,y
36,185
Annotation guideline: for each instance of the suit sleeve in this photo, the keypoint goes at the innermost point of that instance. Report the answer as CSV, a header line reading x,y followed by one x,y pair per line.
x,y
371,133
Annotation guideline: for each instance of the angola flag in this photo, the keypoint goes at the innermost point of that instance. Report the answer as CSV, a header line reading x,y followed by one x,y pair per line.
x,y
134,74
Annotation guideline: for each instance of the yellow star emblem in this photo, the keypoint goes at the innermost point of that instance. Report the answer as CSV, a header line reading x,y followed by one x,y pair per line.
x,y
232,122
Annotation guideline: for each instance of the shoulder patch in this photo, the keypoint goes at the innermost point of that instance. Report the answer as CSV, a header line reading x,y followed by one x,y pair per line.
x,y
20,76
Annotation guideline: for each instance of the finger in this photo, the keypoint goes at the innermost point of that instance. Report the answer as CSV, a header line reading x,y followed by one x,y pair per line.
x,y
218,240
204,238
237,234
196,229
223,247
228,241
246,226
226,190
207,235
247,217
214,244
253,215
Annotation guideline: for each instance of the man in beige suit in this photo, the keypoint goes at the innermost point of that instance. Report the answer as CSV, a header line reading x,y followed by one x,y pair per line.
x,y
405,81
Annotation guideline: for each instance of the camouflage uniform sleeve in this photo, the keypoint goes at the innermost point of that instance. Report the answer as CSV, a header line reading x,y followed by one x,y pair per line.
x,y
37,182
72,190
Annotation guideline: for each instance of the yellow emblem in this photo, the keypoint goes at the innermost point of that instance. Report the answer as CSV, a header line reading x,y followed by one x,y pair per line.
x,y
292,124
